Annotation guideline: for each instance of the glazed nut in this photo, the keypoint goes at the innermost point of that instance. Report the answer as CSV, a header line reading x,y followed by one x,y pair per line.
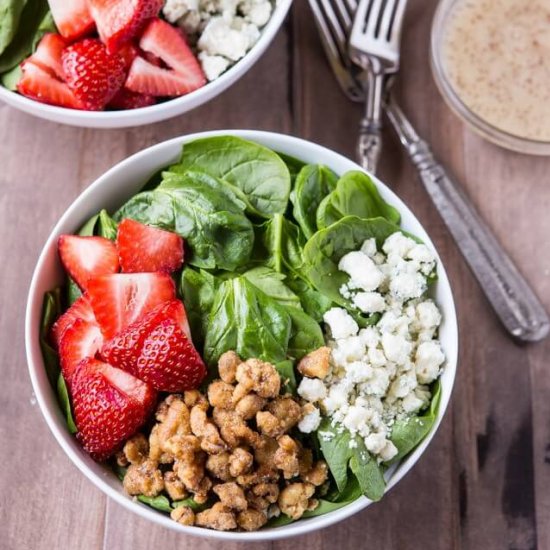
x,y
183,515
294,499
220,394
218,517
195,397
174,486
136,449
287,412
231,496
286,457
240,462
249,405
268,424
258,376
143,479
218,466
227,366
315,364
318,474
251,519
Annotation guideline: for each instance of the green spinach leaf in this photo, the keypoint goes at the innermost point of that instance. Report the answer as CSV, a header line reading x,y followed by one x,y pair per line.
x,y
203,211
305,336
313,184
257,171
286,371
355,195
159,502
51,310
10,14
65,402
294,165
313,302
351,492
246,320
191,503
272,283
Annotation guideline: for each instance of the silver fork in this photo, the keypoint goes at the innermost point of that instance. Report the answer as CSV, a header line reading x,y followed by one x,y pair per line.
x,y
374,46
513,300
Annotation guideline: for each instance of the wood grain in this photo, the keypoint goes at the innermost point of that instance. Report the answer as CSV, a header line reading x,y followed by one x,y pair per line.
x,y
485,480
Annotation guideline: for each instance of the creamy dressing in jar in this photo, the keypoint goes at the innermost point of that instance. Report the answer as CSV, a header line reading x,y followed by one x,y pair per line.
x,y
497,56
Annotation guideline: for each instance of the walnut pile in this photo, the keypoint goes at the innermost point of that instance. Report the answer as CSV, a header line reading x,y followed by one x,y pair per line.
x,y
229,450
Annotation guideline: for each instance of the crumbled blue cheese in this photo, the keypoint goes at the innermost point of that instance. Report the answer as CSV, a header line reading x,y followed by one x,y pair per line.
x,y
380,373
223,31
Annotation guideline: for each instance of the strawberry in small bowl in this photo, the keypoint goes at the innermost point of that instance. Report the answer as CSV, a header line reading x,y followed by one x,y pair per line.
x,y
118,63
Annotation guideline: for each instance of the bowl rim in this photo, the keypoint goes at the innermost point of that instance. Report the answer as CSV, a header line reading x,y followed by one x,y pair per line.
x,y
453,100
51,412
160,111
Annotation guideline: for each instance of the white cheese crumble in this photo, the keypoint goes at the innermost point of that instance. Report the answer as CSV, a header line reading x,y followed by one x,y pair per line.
x,y
222,31
380,374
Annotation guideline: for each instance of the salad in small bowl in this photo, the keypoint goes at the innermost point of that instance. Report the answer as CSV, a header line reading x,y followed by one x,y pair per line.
x,y
119,63
241,335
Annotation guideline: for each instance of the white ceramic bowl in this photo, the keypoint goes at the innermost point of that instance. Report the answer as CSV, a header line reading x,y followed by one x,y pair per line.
x,y
113,189
161,111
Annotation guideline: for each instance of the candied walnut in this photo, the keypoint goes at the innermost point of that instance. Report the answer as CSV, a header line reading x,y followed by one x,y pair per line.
x,y
174,486
183,515
265,450
268,424
257,376
218,517
233,428
312,504
136,449
315,364
294,499
264,474
201,494
249,405
260,496
164,405
183,447
231,495
286,457
251,520
318,474
240,462
155,451
287,411
143,479
220,394
191,473
218,466
211,441
227,366
195,397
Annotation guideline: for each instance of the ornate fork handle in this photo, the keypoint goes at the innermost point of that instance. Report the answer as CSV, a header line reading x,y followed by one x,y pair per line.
x,y
512,298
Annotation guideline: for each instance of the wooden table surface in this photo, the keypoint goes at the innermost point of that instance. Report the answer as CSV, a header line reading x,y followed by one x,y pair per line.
x,y
484,483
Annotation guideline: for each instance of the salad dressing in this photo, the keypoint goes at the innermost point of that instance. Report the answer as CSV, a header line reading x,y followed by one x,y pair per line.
x,y
497,55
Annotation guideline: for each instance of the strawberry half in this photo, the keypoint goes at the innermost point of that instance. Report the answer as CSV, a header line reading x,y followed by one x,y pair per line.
x,y
158,349
81,309
184,73
145,248
81,340
109,406
48,54
93,74
87,257
126,99
118,21
120,299
72,17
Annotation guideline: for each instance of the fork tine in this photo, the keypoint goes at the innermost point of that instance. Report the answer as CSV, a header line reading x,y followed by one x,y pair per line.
x,y
387,20
371,17
395,32
345,15
336,29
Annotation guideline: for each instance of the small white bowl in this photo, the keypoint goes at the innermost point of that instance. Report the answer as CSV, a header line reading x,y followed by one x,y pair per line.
x,y
110,191
160,111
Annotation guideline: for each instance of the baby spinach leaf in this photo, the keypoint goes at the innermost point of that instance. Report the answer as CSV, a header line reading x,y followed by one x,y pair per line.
x,y
294,165
313,184
105,226
351,493
408,433
197,289
190,503
203,211
324,250
246,320
51,310
355,195
313,302
272,283
65,402
10,14
159,502
367,471
10,79
260,173
306,334
286,371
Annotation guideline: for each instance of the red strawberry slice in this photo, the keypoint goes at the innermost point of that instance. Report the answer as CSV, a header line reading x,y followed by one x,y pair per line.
x,y
38,83
93,74
158,349
125,99
87,257
128,52
72,17
184,73
48,54
81,309
120,299
118,21
80,340
145,248
109,406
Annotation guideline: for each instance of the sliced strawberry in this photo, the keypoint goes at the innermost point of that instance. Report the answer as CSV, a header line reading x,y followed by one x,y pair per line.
x,y
72,17
125,99
39,84
118,21
158,349
109,406
128,53
94,75
48,54
184,73
120,299
81,309
87,257
80,340
145,248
